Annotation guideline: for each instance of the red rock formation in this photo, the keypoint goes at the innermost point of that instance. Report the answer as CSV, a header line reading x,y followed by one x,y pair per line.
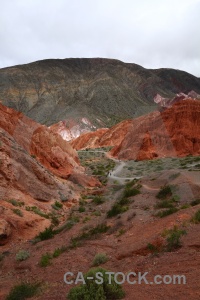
x,y
173,132
103,137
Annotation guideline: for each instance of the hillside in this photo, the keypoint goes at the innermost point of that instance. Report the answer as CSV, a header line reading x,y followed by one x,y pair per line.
x,y
105,91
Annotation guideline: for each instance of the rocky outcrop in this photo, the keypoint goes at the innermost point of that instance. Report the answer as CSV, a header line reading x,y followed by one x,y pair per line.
x,y
173,132
105,91
5,231
168,102
102,137
71,128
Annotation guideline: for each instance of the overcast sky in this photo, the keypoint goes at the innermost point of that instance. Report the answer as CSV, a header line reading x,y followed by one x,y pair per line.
x,y
151,33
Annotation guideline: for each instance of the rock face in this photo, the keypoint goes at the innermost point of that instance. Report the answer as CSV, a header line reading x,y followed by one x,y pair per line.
x,y
102,137
167,102
40,146
5,231
173,132
71,129
48,147
105,91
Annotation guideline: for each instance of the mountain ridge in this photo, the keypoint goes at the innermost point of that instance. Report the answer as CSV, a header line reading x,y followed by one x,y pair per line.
x,y
106,91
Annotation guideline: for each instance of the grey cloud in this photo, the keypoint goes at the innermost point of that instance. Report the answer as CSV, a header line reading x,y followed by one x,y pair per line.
x,y
150,33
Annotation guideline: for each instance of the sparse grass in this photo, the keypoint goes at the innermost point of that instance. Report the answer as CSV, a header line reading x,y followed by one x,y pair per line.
x,y
22,255
23,291
99,259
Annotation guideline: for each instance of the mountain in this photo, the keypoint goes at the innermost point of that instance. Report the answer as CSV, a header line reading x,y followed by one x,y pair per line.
x,y
105,91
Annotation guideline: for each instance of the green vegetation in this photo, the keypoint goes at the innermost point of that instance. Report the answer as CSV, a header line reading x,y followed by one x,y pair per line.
x,y
95,291
89,234
18,212
59,251
23,291
57,205
16,203
45,260
121,205
164,192
167,212
174,238
97,200
196,217
37,211
195,202
100,258
22,255
48,233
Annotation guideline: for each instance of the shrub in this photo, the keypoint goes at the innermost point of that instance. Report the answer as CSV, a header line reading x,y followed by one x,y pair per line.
x,y
116,210
81,209
45,260
164,192
195,202
16,203
23,291
22,255
95,291
173,238
48,233
131,192
18,212
59,251
100,258
57,205
98,200
196,218
166,212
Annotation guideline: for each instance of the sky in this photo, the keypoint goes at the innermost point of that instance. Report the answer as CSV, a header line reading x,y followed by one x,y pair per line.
x,y
151,33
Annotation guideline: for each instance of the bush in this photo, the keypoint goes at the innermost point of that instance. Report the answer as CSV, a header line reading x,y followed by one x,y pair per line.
x,y
164,192
18,212
45,260
116,210
57,205
81,209
59,251
23,291
166,212
131,192
16,203
48,233
99,259
196,218
94,291
22,255
173,238
195,202
98,200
